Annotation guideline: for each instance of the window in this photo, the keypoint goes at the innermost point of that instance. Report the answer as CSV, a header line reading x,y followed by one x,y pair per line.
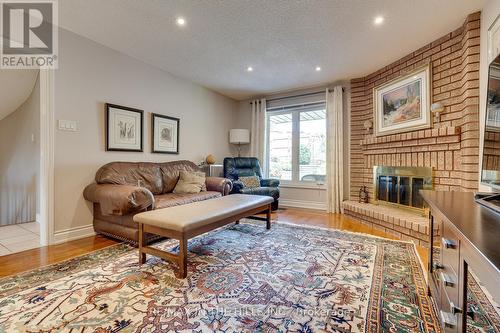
x,y
297,144
280,146
312,146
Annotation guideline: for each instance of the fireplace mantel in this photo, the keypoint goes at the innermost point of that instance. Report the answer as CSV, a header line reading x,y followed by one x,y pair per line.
x,y
443,138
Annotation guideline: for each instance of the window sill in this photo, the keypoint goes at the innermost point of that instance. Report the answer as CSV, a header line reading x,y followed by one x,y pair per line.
x,y
304,185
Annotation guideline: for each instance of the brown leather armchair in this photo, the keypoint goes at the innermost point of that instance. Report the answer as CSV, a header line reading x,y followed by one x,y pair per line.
x,y
123,189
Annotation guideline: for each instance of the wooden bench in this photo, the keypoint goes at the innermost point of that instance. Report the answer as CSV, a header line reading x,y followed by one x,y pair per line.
x,y
193,219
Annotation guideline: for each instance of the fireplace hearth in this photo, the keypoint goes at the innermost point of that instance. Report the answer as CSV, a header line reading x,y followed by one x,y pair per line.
x,y
399,186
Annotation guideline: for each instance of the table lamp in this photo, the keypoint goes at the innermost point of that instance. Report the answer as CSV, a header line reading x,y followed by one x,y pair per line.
x,y
239,136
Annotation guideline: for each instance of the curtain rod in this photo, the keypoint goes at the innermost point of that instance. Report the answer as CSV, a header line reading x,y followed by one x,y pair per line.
x,y
295,96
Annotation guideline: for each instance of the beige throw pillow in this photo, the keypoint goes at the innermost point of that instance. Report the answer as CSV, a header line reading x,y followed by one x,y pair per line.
x,y
250,181
190,182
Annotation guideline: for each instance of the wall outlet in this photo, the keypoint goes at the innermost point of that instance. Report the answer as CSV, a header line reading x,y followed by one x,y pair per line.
x,y
67,125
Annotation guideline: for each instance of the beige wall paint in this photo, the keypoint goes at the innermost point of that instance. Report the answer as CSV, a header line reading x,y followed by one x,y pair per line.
x,y
488,15
242,119
20,161
90,75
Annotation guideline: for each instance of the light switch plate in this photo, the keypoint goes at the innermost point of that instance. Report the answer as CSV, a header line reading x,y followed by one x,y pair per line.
x,y
67,125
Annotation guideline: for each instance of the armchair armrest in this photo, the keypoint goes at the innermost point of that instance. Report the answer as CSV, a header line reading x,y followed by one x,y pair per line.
x,y
219,184
237,186
270,182
119,199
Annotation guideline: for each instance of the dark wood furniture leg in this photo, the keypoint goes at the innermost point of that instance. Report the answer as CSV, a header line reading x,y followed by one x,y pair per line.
x,y
268,217
142,255
183,252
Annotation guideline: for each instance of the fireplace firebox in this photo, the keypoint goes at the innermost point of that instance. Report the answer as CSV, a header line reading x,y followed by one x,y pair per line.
x,y
399,186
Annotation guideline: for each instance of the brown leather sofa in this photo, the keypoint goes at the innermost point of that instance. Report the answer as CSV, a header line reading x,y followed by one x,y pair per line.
x,y
123,189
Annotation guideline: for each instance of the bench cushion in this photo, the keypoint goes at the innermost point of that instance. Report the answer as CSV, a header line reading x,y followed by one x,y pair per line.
x,y
197,214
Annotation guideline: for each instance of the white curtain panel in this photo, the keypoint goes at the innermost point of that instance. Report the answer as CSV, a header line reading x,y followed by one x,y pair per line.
x,y
334,150
258,131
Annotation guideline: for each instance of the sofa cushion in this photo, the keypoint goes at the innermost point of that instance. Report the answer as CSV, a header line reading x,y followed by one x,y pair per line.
x,y
170,173
190,182
142,174
176,199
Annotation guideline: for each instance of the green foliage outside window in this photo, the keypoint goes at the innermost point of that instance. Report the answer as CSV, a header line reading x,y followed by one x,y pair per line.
x,y
304,155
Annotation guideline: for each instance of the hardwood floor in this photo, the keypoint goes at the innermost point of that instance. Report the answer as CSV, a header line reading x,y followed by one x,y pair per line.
x,y
35,258
46,255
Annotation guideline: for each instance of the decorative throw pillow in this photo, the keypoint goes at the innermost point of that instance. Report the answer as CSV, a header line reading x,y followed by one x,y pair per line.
x,y
190,182
251,181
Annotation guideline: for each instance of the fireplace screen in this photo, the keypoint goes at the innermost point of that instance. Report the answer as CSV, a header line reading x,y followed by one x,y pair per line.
x,y
400,185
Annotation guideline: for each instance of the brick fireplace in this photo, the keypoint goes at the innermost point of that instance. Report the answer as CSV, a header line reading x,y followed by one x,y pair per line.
x,y
451,146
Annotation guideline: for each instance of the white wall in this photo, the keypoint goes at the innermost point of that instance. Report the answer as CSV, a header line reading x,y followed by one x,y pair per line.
x,y
315,196
488,15
90,75
20,160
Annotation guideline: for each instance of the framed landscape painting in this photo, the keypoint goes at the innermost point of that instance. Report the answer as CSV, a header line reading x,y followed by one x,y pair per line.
x,y
403,105
123,128
165,134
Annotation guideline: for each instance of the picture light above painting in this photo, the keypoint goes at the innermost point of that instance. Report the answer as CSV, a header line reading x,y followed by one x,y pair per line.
x,y
124,130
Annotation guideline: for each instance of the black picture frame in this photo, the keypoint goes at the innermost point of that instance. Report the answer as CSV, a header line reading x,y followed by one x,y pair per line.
x,y
109,144
154,117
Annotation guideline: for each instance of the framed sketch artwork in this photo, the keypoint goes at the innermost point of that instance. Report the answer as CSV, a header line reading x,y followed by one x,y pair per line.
x,y
403,104
123,128
164,134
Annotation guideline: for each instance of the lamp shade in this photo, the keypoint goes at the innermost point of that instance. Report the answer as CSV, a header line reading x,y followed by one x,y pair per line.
x,y
239,136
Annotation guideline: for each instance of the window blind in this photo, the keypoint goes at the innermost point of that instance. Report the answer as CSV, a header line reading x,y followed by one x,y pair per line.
x,y
305,101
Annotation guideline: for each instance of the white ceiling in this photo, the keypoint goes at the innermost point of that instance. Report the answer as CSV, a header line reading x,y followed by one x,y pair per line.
x,y
283,40
16,87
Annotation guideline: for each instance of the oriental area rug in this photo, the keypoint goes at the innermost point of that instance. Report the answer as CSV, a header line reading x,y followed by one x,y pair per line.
x,y
241,278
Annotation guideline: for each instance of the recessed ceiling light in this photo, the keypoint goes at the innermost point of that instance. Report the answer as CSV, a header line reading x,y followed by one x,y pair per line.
x,y
318,68
378,20
180,21
249,69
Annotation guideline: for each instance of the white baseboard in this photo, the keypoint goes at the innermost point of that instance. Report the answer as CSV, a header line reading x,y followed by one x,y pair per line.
x,y
303,204
67,235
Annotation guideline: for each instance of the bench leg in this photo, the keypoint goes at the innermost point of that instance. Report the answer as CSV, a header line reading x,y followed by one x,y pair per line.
x,y
183,258
268,217
142,255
